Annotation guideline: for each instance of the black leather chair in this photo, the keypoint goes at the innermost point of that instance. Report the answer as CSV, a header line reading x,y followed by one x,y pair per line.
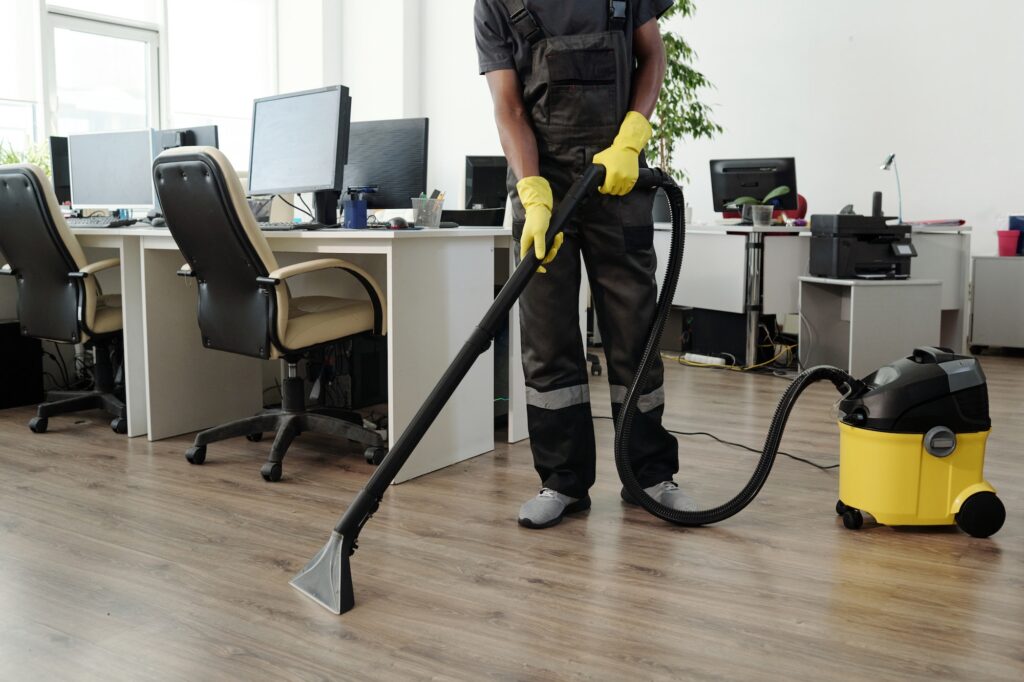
x,y
245,305
59,298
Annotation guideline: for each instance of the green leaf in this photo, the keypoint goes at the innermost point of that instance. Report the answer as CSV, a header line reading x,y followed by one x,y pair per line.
x,y
744,201
776,193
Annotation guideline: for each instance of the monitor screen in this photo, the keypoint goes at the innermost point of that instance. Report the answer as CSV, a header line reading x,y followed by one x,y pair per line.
x,y
732,179
486,181
391,156
299,141
111,170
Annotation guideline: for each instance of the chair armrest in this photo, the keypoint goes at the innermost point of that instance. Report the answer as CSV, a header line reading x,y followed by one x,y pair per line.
x,y
373,289
93,268
7,270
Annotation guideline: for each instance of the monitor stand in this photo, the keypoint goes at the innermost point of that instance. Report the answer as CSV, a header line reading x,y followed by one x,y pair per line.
x,y
325,207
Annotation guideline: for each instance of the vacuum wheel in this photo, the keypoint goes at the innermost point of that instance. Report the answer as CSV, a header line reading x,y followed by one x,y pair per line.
x,y
981,515
271,471
38,424
840,508
119,425
375,455
196,454
853,519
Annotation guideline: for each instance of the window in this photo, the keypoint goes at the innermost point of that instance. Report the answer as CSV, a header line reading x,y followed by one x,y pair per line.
x,y
147,11
215,74
103,76
20,122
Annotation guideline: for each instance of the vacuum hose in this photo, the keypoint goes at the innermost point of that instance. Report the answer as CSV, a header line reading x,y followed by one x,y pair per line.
x,y
623,427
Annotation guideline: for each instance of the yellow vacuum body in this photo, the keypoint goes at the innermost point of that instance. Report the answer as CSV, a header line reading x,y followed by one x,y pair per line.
x,y
912,446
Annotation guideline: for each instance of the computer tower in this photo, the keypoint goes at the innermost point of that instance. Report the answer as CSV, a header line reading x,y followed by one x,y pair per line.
x,y
724,335
21,367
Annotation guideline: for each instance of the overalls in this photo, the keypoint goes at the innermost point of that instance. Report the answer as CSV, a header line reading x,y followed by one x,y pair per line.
x,y
577,95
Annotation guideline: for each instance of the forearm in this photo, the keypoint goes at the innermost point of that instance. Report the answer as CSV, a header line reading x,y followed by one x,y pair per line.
x,y
647,81
518,142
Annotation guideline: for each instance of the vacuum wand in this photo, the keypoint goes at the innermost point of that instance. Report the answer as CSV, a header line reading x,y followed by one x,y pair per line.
x,y
327,578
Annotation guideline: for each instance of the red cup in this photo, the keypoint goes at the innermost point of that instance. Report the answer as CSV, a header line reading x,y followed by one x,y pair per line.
x,y
1008,240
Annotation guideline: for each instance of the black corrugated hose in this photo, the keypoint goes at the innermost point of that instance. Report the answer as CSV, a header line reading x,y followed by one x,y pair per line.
x,y
623,427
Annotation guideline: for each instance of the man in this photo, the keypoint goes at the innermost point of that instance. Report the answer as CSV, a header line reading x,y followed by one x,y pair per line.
x,y
574,83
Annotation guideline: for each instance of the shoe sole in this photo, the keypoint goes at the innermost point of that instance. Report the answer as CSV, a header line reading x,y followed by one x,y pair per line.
x,y
582,504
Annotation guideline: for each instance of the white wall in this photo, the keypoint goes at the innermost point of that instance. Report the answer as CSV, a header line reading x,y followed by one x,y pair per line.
x,y
840,84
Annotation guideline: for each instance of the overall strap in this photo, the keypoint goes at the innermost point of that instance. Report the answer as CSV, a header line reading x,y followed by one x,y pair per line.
x,y
618,11
523,21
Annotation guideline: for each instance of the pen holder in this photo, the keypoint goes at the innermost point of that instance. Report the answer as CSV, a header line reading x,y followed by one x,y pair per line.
x,y
426,213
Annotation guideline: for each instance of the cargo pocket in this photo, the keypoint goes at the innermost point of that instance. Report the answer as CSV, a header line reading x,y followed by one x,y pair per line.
x,y
582,92
637,215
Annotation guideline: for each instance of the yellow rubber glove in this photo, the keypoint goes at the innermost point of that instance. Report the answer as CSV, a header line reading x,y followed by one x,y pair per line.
x,y
621,161
535,193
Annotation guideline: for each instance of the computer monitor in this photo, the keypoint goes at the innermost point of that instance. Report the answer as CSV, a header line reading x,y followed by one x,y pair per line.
x,y
61,168
390,155
485,181
112,170
732,179
300,144
196,136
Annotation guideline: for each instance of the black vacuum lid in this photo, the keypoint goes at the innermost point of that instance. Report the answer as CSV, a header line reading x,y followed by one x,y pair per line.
x,y
933,387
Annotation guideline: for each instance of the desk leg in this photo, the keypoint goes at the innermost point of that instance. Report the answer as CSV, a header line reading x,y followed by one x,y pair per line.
x,y
755,263
438,290
189,388
134,335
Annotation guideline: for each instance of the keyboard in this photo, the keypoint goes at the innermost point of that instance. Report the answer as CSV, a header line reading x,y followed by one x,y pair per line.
x,y
278,227
100,221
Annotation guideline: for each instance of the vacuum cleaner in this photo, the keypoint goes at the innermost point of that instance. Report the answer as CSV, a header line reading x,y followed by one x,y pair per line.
x,y
912,447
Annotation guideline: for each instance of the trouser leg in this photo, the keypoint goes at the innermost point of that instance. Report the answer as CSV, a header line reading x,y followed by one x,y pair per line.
x,y
557,391
621,266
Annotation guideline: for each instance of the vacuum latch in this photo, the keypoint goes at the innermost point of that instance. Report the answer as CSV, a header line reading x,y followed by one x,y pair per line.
x,y
940,442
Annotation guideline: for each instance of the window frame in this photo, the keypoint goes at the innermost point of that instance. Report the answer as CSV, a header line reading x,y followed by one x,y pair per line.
x,y
151,35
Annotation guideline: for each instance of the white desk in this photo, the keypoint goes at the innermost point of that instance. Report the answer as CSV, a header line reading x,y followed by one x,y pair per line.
x,y
438,284
859,325
998,316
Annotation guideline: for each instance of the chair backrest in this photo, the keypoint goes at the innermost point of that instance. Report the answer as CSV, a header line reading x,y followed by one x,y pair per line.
x,y
42,251
206,211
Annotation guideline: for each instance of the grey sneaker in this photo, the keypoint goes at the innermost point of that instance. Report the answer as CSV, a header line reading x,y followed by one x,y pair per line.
x,y
668,494
548,508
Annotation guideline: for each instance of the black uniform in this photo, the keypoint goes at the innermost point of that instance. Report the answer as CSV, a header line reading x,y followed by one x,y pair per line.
x,y
575,62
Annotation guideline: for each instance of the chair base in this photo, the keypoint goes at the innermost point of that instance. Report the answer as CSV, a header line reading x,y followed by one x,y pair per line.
x,y
68,402
286,425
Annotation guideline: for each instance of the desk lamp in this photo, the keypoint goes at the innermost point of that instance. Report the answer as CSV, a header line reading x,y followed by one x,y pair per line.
x,y
890,164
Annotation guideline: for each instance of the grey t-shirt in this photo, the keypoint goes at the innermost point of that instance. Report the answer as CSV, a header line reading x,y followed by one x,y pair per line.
x,y
499,46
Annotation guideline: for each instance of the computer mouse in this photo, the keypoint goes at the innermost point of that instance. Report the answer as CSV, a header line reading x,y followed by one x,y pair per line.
x,y
398,223
158,222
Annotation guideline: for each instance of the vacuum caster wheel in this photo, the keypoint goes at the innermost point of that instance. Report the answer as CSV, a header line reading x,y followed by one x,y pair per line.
x,y
271,471
981,515
196,455
853,519
119,425
840,508
254,437
375,455
38,424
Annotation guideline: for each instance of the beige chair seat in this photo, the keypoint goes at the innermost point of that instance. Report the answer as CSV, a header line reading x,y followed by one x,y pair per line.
x,y
313,320
108,314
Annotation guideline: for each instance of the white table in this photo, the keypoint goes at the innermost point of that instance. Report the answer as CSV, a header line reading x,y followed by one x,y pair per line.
x,y
860,325
438,284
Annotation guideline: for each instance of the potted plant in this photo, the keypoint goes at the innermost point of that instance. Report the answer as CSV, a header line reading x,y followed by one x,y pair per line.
x,y
749,206
679,113
37,154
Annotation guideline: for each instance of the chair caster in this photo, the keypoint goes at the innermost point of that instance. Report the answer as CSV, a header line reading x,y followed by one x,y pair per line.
x,y
375,455
119,425
840,508
981,515
271,471
38,424
595,370
254,437
853,519
196,455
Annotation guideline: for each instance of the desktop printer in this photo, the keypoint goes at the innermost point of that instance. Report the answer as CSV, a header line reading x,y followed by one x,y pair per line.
x,y
847,246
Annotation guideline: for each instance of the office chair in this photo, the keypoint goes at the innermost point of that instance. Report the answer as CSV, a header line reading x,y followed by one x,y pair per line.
x,y
59,298
245,306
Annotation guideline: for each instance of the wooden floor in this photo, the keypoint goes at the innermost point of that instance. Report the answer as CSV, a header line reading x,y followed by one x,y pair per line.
x,y
119,561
